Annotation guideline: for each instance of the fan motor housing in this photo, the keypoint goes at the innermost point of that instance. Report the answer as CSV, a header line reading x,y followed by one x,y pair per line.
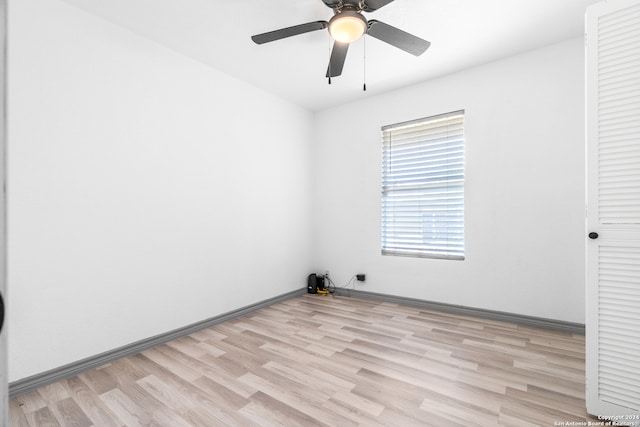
x,y
338,4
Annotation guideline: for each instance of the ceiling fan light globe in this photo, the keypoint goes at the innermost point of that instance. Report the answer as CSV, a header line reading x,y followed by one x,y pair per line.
x,y
347,26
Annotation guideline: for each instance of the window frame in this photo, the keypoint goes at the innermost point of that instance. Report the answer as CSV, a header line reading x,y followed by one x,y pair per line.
x,y
424,198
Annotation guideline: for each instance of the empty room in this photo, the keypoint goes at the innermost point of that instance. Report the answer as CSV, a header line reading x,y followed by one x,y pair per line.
x,y
320,212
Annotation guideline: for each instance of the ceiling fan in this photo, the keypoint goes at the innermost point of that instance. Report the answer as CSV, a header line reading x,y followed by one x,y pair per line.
x,y
348,25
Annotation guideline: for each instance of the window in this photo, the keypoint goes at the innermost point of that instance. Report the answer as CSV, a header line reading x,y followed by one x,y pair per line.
x,y
423,187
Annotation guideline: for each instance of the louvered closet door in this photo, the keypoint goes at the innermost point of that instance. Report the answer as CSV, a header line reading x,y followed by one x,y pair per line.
x,y
613,209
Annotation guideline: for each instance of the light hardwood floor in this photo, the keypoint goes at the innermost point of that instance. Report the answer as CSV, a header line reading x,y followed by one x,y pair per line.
x,y
336,361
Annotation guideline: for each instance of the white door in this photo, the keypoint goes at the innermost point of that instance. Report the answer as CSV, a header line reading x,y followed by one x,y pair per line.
x,y
613,209
3,197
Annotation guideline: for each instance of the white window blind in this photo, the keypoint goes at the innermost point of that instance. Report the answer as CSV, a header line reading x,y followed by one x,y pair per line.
x,y
423,187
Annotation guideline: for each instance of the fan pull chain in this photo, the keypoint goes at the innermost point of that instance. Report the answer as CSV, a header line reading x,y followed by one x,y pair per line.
x,y
364,64
329,76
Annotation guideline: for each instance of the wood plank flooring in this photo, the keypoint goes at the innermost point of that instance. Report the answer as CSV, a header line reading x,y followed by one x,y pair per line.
x,y
330,361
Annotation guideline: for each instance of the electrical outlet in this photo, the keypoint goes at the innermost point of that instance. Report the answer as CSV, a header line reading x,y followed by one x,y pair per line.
x,y
360,277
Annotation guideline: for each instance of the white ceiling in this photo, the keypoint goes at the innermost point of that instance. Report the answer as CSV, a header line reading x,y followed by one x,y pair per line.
x,y
463,33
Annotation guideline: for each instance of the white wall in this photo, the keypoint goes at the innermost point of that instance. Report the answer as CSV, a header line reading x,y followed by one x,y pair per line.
x,y
146,191
524,213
